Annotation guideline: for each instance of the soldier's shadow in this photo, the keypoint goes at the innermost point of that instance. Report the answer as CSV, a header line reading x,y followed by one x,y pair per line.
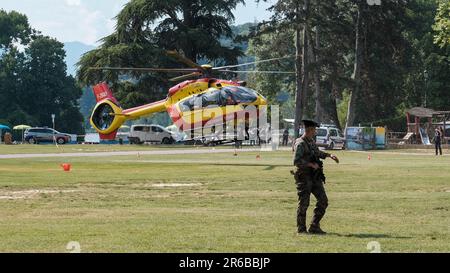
x,y
369,236
267,167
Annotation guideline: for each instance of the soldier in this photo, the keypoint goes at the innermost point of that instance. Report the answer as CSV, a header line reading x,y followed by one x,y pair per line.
x,y
309,178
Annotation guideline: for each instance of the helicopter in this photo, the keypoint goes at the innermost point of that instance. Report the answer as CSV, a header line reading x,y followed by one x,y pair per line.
x,y
199,102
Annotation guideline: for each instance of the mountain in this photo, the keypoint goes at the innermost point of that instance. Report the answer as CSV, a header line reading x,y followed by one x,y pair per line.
x,y
74,51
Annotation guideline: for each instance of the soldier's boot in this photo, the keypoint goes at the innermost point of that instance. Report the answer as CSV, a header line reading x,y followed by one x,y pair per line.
x,y
315,224
315,229
301,224
319,212
302,230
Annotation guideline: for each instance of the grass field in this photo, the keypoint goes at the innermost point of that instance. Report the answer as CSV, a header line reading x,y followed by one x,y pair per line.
x,y
222,203
37,149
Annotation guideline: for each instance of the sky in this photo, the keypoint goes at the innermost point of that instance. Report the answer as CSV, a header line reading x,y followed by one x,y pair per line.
x,y
87,21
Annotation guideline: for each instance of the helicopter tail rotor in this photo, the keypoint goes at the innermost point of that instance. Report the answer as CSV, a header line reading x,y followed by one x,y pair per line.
x,y
107,116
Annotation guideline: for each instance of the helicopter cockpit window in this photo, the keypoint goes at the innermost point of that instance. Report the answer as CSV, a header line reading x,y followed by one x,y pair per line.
x,y
241,94
230,95
226,98
211,99
188,104
208,99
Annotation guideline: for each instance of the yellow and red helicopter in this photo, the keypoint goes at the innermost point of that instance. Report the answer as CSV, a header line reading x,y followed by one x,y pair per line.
x,y
192,104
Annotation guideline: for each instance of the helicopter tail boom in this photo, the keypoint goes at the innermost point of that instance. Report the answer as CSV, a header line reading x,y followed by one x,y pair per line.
x,y
144,110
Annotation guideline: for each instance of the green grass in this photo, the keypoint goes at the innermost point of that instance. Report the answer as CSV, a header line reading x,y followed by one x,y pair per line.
x,y
230,204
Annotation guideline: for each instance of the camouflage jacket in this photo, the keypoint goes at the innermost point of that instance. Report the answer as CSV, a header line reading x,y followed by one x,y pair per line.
x,y
306,151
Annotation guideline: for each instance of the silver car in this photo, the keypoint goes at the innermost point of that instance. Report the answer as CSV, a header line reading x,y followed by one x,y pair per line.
x,y
150,133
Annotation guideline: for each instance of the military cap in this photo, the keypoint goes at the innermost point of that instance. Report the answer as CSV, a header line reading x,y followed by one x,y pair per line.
x,y
310,123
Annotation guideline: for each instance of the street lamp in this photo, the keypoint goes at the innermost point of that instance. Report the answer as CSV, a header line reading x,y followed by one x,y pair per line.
x,y
425,74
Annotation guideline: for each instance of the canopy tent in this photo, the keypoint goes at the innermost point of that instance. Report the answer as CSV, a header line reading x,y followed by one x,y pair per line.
x,y
3,128
23,128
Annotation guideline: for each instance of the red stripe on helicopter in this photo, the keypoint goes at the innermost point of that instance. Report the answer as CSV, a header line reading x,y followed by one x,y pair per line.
x,y
110,136
174,114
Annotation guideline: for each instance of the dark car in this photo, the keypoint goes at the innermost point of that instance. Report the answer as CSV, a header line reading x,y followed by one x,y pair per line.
x,y
36,135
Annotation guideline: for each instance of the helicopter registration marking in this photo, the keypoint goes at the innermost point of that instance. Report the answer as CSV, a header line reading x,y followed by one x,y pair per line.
x,y
102,95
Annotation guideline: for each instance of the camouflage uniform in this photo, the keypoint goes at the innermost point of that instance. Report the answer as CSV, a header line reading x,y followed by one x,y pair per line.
x,y
307,182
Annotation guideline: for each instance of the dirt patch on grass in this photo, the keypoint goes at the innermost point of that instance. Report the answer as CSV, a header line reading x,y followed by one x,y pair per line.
x,y
27,194
175,185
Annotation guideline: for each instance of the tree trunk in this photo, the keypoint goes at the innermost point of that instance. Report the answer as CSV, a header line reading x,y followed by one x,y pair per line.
x,y
333,105
318,95
298,77
357,69
301,67
305,60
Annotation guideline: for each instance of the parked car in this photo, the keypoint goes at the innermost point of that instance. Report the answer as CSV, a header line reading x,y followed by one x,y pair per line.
x,y
38,135
330,137
150,133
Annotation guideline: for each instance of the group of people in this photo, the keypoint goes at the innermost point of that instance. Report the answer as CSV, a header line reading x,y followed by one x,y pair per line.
x,y
439,136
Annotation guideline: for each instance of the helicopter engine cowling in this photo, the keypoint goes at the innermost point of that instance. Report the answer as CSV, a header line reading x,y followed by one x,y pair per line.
x,y
107,118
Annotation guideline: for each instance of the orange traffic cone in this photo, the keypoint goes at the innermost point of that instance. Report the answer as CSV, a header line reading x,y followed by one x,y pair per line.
x,y
66,167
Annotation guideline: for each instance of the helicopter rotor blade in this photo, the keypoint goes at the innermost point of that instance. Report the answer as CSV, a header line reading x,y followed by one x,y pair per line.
x,y
253,63
256,72
144,69
185,77
180,58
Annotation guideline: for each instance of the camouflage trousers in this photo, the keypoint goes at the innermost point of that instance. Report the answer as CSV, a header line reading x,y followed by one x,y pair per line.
x,y
305,186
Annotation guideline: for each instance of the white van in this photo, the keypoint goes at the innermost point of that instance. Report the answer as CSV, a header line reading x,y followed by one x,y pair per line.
x,y
150,133
330,138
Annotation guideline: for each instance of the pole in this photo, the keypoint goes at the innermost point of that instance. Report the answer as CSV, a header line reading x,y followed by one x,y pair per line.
x,y
53,121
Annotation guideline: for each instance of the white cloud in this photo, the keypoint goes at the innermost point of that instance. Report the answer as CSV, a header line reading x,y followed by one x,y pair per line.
x,y
73,2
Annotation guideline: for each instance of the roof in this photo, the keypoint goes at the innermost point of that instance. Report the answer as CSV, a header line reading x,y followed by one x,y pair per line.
x,y
421,112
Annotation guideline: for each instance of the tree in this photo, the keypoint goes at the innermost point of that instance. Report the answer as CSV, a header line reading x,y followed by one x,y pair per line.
x,y
145,29
33,81
318,56
442,24
45,76
14,29
358,63
275,44
370,57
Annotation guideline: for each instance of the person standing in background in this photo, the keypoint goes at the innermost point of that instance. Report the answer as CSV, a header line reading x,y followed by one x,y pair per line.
x,y
437,140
